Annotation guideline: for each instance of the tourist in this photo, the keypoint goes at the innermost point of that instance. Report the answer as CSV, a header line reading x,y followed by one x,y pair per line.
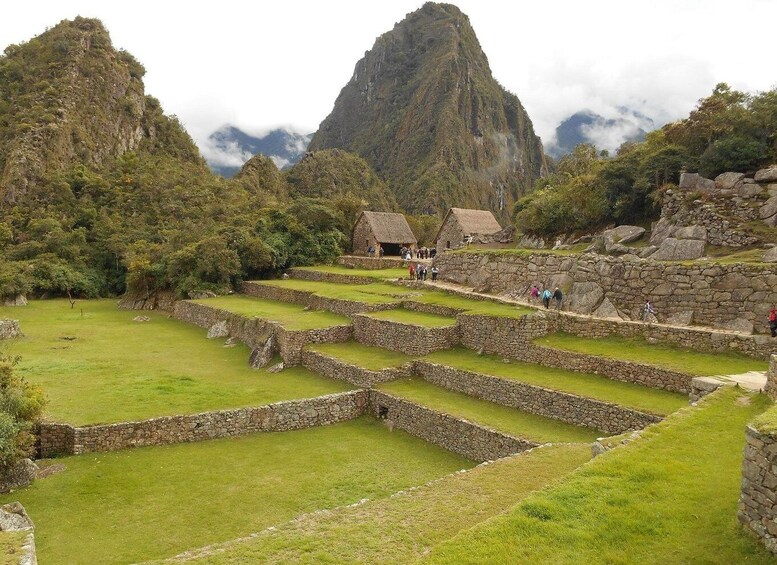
x,y
546,296
424,272
648,312
380,252
433,252
559,297
411,270
535,293
371,251
773,321
435,270
419,270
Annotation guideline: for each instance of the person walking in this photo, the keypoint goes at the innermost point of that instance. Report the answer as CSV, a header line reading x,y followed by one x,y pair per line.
x,y
534,294
773,321
559,296
546,296
435,270
423,273
411,270
648,312
371,251
381,252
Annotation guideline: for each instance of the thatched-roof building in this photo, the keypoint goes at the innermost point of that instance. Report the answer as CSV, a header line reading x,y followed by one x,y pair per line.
x,y
462,225
386,230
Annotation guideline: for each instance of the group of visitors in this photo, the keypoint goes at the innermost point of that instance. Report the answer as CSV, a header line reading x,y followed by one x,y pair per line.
x,y
546,296
371,251
425,253
420,271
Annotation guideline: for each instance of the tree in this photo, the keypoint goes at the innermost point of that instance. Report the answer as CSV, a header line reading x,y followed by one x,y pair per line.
x,y
21,406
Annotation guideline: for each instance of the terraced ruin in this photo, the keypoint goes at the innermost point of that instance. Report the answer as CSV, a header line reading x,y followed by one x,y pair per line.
x,y
398,394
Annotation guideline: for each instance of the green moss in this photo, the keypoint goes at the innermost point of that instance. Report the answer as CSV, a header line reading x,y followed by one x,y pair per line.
x,y
767,422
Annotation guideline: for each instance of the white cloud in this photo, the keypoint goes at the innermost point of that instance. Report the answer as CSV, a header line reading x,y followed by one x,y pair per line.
x,y
225,155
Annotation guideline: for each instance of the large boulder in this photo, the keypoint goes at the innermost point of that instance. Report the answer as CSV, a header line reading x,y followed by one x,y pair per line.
x,y
19,474
689,180
739,325
727,181
506,235
767,175
673,249
662,229
623,234
529,242
18,300
219,329
691,232
648,251
680,318
262,355
607,310
770,255
585,297
768,212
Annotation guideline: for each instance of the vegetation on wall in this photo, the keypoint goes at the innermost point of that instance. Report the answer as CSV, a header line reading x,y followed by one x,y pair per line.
x,y
728,131
21,405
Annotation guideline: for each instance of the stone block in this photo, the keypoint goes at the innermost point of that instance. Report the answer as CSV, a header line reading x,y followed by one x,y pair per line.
x,y
766,175
727,181
691,232
769,208
689,180
679,250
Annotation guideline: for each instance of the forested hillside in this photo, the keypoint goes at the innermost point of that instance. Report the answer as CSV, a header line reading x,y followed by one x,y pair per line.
x,y
728,131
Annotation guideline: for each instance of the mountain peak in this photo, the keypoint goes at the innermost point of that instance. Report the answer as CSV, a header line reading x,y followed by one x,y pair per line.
x,y
423,108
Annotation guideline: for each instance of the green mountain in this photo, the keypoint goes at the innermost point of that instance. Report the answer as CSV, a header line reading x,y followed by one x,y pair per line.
x,y
425,111
67,96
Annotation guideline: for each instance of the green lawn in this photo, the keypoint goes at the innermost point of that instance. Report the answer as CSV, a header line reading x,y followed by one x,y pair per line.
x,y
631,395
103,367
659,355
149,503
403,528
665,498
414,318
508,420
369,293
376,274
354,353
290,316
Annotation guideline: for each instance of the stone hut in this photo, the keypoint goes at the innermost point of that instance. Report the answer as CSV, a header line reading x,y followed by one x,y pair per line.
x,y
462,226
387,230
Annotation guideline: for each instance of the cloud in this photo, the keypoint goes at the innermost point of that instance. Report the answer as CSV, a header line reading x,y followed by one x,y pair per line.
x,y
222,154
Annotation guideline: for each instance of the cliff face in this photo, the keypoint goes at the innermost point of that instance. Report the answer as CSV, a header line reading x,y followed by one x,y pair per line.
x,y
423,108
67,96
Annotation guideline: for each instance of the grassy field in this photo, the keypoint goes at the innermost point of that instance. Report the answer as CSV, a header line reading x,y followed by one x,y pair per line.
x,y
148,503
508,420
472,306
403,528
376,274
632,395
665,498
659,355
103,367
353,352
414,318
369,293
290,316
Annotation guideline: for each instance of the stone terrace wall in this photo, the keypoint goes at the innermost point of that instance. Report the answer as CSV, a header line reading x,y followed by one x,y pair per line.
x,y
60,439
255,332
360,262
304,274
454,434
771,378
9,329
406,338
616,369
571,408
715,294
505,336
338,306
758,501
359,376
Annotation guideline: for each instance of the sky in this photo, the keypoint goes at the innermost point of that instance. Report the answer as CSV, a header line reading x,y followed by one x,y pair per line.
x,y
259,65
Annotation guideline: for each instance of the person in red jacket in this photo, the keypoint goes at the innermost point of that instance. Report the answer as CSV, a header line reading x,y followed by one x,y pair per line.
x,y
773,321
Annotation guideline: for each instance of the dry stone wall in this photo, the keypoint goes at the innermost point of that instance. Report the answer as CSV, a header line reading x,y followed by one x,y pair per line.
x,y
570,408
255,332
9,329
62,439
359,376
454,434
758,500
771,378
357,261
304,274
405,338
737,295
313,301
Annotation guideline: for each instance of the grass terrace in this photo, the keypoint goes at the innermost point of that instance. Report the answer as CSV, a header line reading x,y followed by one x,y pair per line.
x,y
414,318
366,356
290,316
403,528
664,498
96,365
392,273
630,395
374,293
471,305
149,503
659,355
508,420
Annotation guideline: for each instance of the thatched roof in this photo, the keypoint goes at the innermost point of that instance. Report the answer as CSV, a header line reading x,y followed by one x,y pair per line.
x,y
389,227
473,222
